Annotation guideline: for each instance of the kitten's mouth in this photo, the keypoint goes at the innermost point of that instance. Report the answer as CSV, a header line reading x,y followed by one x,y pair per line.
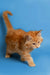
x,y
31,48
37,47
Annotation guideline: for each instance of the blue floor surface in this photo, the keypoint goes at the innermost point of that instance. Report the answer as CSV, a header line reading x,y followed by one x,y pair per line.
x,y
27,15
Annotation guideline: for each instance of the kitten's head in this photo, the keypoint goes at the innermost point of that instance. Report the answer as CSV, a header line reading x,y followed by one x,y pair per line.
x,y
33,39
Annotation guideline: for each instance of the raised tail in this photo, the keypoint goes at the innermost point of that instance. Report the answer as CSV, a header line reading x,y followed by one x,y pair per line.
x,y
5,16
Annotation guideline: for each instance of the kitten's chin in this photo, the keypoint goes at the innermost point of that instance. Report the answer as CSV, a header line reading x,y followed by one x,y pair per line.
x,y
34,48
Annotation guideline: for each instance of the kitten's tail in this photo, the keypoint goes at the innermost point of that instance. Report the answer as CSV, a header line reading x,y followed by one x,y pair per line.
x,y
5,16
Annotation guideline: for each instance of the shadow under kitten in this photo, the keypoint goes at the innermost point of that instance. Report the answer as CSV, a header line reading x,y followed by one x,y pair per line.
x,y
16,57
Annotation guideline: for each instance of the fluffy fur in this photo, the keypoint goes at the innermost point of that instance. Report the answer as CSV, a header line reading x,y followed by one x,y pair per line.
x,y
21,42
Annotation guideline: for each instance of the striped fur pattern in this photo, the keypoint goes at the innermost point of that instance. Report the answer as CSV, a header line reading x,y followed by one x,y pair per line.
x,y
21,42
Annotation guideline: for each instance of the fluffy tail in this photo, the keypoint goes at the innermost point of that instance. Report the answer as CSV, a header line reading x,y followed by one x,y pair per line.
x,y
8,24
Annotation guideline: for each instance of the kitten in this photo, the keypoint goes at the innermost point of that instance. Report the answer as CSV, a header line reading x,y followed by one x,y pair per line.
x,y
21,42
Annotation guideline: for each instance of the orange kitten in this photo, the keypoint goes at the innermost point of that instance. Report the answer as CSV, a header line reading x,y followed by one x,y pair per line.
x,y
21,42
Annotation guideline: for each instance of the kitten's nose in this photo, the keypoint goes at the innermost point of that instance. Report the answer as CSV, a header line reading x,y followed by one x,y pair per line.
x,y
37,46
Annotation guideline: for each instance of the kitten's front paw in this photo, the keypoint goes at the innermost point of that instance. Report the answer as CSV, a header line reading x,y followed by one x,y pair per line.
x,y
32,65
7,56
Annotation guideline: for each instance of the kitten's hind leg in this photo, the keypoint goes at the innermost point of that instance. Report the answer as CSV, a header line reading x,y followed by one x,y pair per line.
x,y
8,53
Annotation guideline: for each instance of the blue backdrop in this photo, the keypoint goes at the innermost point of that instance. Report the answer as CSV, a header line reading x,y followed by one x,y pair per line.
x,y
27,15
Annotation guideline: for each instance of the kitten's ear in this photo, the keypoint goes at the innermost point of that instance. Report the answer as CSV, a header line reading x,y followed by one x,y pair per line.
x,y
28,37
39,33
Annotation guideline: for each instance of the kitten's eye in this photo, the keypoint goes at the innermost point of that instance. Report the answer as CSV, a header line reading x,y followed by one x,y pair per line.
x,y
38,41
33,43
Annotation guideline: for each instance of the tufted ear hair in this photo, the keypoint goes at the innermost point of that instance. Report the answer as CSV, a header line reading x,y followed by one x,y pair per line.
x,y
39,33
28,37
